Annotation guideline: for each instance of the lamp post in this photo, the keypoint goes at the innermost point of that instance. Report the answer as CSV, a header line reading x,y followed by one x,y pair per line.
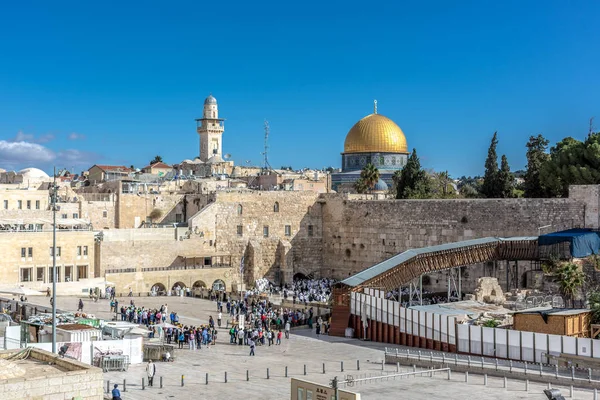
x,y
53,197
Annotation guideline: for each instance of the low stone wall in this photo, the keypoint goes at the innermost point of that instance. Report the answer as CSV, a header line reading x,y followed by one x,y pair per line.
x,y
80,381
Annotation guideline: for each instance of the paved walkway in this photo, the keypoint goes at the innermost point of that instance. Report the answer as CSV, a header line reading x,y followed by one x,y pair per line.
x,y
303,348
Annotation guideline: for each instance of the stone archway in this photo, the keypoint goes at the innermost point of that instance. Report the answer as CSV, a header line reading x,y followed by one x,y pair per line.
x,y
159,289
218,285
180,284
299,276
199,284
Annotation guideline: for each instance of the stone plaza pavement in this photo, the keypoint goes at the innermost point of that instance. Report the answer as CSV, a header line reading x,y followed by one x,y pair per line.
x,y
303,348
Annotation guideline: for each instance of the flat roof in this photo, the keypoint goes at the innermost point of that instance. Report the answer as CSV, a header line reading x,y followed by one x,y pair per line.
x,y
554,311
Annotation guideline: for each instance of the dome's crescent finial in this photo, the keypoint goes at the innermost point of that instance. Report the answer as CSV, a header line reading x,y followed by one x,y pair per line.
x,y
375,106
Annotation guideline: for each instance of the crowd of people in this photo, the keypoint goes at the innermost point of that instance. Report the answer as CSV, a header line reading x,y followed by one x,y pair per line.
x,y
309,290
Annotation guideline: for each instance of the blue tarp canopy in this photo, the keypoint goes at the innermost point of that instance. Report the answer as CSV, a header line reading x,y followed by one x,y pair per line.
x,y
582,242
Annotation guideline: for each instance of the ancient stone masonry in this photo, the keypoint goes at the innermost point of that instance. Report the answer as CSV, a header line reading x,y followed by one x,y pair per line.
x,y
358,234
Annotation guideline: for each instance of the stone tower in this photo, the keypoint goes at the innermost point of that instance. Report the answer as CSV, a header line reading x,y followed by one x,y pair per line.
x,y
210,128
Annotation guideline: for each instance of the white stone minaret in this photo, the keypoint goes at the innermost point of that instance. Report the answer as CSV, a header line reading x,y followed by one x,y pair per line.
x,y
210,128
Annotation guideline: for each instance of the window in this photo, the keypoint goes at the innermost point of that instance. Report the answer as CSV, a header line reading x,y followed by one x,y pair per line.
x,y
288,230
68,273
276,207
310,230
23,252
64,216
240,230
50,272
82,272
178,218
104,214
26,274
19,204
240,209
40,274
37,204
30,252
78,251
6,204
75,215
85,250
29,204
265,231
57,252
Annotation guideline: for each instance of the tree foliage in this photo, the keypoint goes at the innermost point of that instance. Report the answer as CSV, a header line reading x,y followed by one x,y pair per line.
x,y
537,156
412,182
156,159
571,162
570,279
370,175
155,214
506,180
360,186
490,177
442,185
594,301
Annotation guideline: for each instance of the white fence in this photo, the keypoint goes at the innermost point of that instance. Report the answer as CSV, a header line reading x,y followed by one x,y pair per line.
x,y
492,342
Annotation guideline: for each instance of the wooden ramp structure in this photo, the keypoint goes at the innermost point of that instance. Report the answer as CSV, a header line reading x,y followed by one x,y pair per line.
x,y
405,267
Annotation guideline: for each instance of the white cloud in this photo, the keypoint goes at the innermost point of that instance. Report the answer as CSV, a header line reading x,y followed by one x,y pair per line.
x,y
18,154
76,136
28,137
24,153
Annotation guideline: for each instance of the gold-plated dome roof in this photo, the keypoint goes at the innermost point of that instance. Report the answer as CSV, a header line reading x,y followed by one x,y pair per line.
x,y
375,133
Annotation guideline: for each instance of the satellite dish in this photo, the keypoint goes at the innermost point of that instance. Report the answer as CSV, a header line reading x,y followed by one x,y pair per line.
x,y
227,156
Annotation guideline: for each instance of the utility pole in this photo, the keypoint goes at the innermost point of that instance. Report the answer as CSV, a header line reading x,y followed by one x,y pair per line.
x,y
54,263
334,386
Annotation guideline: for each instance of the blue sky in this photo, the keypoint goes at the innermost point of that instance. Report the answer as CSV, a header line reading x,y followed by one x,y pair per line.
x,y
119,82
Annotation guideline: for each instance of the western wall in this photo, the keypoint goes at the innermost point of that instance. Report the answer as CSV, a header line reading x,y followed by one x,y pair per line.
x,y
279,234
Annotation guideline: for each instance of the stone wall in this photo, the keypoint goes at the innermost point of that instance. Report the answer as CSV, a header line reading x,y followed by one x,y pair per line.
x,y
359,234
71,379
590,196
134,209
124,249
265,218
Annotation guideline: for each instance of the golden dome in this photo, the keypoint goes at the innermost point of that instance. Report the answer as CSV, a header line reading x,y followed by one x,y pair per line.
x,y
374,134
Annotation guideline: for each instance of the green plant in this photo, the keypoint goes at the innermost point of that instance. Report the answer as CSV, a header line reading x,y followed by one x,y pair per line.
x,y
155,214
570,278
491,323
594,301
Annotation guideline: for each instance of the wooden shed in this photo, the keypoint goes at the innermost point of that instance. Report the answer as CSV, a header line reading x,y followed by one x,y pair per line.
x,y
555,321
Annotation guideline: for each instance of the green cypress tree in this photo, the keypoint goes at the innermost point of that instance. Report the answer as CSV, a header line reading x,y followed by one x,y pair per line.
x,y
536,156
412,182
490,187
506,180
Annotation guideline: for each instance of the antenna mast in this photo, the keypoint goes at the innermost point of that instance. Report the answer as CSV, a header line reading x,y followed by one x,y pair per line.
x,y
266,165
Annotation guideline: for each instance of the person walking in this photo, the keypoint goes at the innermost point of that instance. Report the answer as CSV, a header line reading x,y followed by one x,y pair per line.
x,y
219,318
279,335
80,306
252,345
150,371
116,393
287,330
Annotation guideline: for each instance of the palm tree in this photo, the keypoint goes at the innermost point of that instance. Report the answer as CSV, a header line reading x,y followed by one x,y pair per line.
x,y
570,279
360,186
370,176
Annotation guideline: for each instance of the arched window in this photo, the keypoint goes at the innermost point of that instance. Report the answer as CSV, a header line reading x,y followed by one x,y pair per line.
x,y
240,209
276,207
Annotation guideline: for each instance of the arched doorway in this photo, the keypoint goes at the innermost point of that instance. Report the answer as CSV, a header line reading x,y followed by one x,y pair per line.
x,y
178,289
219,285
158,289
199,284
299,276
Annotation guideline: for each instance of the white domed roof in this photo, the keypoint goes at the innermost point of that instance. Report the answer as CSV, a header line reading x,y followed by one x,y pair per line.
x,y
186,161
2,170
33,173
215,159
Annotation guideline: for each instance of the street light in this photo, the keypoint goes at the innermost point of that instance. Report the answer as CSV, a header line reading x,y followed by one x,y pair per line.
x,y
53,198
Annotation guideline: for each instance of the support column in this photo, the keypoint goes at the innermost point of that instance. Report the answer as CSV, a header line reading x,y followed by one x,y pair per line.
x,y
421,290
459,284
